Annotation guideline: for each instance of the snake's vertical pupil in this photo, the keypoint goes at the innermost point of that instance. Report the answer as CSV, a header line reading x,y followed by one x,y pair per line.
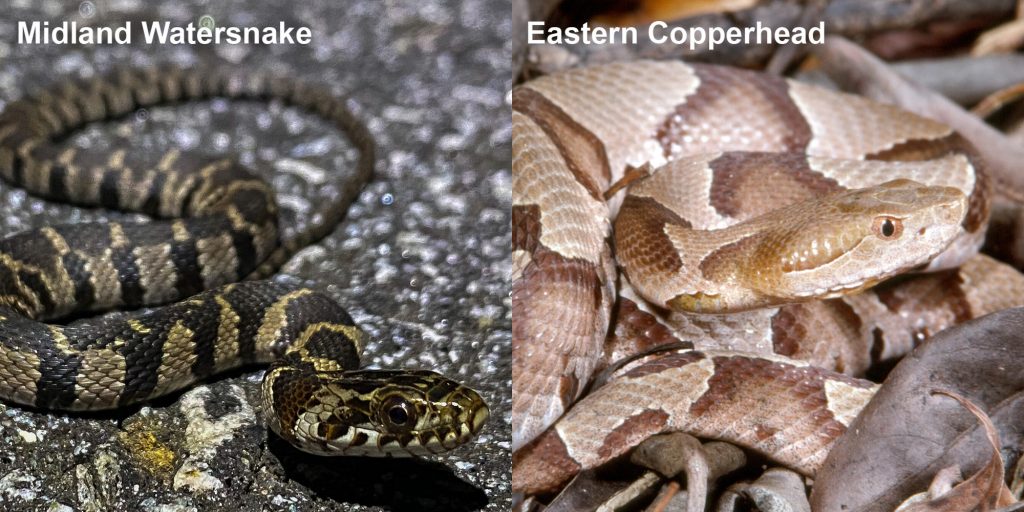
x,y
888,228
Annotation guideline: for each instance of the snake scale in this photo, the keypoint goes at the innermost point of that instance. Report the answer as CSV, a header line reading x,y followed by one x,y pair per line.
x,y
760,217
214,224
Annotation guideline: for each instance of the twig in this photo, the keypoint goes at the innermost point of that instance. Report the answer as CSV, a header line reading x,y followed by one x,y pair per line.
x,y
998,99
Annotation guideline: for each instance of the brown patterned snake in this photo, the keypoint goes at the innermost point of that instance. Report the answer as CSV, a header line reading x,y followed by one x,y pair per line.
x,y
767,205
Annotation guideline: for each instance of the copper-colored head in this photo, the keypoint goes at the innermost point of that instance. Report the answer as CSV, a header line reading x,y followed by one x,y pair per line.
x,y
855,238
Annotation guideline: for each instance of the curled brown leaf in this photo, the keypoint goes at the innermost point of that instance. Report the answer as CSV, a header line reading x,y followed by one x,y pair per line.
x,y
985,489
906,435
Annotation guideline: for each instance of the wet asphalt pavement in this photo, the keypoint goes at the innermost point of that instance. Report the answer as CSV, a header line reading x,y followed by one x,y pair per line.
x,y
421,261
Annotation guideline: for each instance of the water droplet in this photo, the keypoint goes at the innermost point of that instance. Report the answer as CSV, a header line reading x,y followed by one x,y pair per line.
x,y
387,199
86,9
207,21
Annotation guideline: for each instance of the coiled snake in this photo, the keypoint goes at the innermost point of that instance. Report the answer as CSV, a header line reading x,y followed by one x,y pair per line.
x,y
216,224
760,198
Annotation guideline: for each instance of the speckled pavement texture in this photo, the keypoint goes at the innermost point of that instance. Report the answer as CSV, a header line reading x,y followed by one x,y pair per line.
x,y
421,262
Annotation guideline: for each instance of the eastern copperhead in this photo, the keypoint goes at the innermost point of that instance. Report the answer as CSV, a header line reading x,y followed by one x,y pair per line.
x,y
909,192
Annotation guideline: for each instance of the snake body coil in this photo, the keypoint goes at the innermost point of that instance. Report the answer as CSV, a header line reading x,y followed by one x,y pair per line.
x,y
216,224
757,208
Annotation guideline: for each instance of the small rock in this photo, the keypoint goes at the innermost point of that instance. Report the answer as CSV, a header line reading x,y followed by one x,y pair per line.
x,y
193,476
28,437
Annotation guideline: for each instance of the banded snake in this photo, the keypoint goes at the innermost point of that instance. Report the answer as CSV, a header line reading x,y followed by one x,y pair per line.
x,y
756,209
215,223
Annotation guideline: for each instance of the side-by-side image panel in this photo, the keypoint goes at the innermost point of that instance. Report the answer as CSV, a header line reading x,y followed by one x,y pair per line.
x,y
766,256
255,256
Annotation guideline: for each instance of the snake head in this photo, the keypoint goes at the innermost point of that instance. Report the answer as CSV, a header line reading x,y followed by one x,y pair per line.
x,y
388,413
854,239
422,412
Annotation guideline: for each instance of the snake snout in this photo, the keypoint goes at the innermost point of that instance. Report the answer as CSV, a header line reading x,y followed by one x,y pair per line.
x,y
954,204
461,409
940,207
426,413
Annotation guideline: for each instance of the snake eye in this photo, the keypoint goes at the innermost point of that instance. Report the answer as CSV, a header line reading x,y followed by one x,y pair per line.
x,y
887,228
398,413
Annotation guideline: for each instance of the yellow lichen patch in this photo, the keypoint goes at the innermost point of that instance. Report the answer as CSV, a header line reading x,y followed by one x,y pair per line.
x,y
143,445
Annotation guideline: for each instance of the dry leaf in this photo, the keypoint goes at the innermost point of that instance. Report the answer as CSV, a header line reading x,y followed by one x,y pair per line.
x,y
984,490
905,434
